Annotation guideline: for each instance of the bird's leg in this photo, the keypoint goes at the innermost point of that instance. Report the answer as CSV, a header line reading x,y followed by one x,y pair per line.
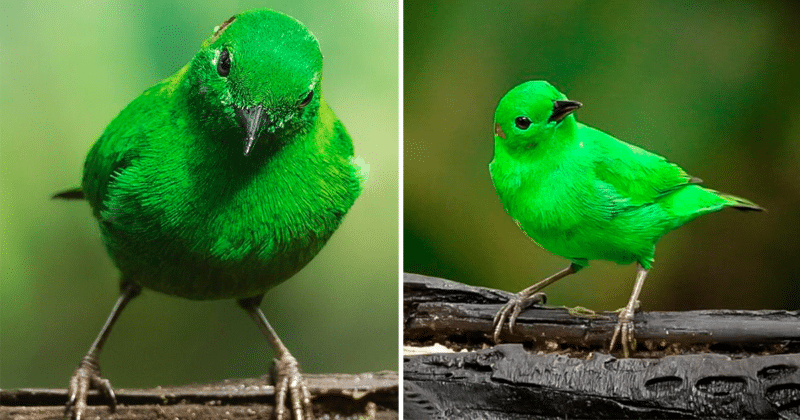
x,y
286,372
624,328
87,375
524,299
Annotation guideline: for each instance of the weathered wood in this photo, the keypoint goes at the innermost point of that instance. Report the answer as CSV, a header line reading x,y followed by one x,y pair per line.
x,y
443,311
509,382
706,364
369,395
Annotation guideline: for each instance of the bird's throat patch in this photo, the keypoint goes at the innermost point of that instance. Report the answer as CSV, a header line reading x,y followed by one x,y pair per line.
x,y
499,131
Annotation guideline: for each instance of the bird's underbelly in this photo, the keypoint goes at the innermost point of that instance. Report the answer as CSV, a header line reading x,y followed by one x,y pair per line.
x,y
619,241
573,219
576,244
216,257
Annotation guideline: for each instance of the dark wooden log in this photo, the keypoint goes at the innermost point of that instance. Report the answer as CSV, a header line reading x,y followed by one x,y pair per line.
x,y
443,311
706,364
509,382
369,395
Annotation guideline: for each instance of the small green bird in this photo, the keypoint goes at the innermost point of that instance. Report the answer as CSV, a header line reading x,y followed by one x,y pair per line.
x,y
222,181
584,195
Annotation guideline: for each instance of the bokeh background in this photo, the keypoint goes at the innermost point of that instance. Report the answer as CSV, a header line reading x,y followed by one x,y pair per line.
x,y
712,85
66,69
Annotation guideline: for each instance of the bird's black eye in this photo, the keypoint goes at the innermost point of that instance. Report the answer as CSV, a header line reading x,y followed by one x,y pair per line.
x,y
307,100
224,63
522,123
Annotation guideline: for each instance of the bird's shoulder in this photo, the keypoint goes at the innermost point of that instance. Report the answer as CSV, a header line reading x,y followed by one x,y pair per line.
x,y
336,150
124,139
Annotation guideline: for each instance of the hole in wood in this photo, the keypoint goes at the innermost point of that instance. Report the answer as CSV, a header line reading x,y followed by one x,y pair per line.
x,y
773,372
664,384
784,396
721,386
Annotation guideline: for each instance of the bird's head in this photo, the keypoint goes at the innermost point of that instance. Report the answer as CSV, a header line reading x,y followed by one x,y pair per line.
x,y
531,114
257,79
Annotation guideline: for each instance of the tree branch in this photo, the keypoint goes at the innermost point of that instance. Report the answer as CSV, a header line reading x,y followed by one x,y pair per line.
x,y
374,395
688,364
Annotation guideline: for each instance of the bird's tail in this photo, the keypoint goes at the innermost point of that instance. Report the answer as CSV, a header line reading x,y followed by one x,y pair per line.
x,y
740,203
693,201
71,194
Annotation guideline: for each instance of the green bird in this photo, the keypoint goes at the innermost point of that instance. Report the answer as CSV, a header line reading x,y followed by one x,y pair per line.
x,y
584,195
222,181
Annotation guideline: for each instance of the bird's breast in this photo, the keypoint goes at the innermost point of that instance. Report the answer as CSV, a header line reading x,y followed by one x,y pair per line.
x,y
271,215
546,204
219,235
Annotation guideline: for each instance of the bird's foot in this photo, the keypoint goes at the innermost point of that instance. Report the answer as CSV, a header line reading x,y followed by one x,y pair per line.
x,y
514,306
87,377
624,330
288,380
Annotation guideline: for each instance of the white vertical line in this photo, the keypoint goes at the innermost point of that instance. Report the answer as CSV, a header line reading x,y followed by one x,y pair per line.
x,y
400,204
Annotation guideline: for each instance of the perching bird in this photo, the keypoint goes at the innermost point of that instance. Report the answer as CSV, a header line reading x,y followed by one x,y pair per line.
x,y
584,195
222,181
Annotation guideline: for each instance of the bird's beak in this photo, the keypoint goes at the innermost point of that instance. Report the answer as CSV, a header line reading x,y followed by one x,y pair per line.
x,y
563,108
253,121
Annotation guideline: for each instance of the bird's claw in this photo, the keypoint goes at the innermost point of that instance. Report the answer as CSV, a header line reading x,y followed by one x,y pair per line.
x,y
624,330
288,380
87,377
517,302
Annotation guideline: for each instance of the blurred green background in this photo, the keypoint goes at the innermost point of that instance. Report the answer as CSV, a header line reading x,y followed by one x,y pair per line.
x,y
66,69
712,85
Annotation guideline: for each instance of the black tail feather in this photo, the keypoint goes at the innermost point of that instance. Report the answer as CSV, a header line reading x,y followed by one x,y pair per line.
x,y
73,194
749,208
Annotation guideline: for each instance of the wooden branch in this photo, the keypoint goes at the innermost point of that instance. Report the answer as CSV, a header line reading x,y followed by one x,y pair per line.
x,y
740,364
439,310
373,395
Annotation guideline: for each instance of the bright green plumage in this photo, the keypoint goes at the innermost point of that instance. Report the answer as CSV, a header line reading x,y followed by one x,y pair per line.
x,y
585,195
222,181
182,210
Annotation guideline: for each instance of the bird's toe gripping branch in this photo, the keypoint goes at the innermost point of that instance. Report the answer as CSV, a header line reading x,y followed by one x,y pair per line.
x,y
511,310
624,328
624,331
87,377
526,298
288,380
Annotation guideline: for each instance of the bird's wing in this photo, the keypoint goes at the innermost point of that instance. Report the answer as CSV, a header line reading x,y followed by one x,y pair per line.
x,y
109,157
106,158
637,175
122,142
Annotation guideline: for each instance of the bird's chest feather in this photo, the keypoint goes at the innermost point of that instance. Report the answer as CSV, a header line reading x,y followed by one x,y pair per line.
x,y
552,205
539,200
225,214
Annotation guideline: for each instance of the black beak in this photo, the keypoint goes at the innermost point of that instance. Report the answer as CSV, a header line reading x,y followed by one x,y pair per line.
x,y
563,108
253,121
